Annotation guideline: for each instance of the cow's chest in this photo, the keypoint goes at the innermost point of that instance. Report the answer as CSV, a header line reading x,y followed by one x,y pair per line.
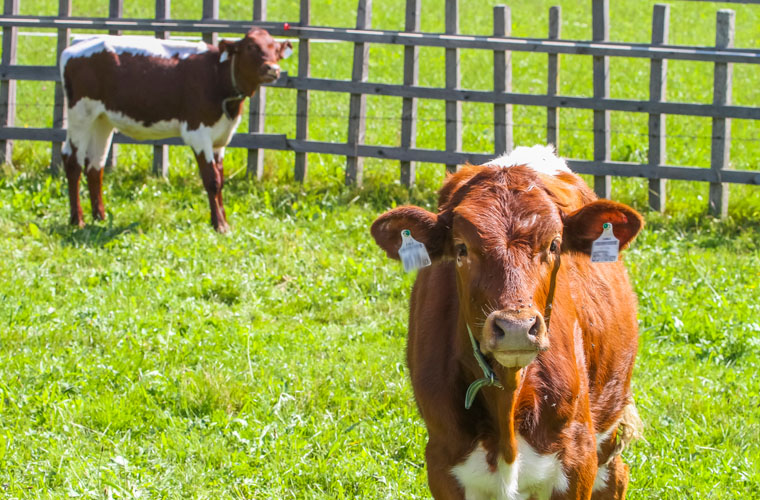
x,y
532,475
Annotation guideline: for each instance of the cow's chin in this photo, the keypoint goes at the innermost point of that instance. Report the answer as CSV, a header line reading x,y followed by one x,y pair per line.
x,y
514,359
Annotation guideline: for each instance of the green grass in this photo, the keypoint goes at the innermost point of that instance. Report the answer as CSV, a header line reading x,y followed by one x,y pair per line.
x,y
147,356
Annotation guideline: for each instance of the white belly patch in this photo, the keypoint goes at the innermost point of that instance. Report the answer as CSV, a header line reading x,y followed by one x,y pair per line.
x,y
90,125
531,475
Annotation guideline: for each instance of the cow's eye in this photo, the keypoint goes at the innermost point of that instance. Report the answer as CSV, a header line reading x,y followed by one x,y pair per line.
x,y
461,250
554,246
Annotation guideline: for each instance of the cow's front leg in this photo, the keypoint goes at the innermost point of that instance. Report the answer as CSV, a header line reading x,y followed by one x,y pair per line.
x,y
213,179
95,186
73,173
443,485
219,161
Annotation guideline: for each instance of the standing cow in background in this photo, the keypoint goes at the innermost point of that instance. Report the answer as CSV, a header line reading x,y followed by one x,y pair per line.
x,y
154,89
521,366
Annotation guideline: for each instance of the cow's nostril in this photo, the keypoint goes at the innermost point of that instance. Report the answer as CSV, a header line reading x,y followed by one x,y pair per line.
x,y
534,329
498,331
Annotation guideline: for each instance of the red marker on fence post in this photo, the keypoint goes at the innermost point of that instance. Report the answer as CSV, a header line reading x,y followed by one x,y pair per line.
x,y
286,26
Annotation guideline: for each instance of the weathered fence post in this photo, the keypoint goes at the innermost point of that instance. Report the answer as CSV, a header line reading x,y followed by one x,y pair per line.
x,y
409,105
358,104
721,127
552,86
600,10
161,152
453,108
59,109
8,87
502,82
302,96
657,90
115,11
210,11
257,109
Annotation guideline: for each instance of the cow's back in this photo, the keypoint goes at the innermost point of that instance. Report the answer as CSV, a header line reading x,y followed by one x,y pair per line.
x,y
145,80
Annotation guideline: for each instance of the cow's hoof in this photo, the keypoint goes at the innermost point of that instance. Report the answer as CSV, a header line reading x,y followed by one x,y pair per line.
x,y
98,216
79,222
222,228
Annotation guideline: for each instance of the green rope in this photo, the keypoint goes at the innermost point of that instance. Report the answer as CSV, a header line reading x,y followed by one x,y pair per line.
x,y
489,378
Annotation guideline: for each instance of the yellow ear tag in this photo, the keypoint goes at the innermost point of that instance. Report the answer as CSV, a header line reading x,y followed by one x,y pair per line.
x,y
412,252
606,247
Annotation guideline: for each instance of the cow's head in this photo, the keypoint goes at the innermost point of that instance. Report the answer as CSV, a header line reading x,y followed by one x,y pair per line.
x,y
504,227
256,57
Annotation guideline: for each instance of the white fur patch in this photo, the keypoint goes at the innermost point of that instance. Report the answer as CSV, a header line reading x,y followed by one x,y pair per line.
x,y
531,476
135,45
602,475
225,55
540,158
91,125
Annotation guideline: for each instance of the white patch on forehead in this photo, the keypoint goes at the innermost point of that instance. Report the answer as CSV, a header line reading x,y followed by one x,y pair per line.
x,y
542,159
135,45
531,476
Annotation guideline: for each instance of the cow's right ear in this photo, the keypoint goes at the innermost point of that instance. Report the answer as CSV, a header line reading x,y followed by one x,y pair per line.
x,y
226,49
426,227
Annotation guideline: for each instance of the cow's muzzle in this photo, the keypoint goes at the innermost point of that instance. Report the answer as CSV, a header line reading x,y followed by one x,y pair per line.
x,y
514,337
270,73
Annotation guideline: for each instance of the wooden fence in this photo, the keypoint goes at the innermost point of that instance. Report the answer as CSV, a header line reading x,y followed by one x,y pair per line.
x,y
723,55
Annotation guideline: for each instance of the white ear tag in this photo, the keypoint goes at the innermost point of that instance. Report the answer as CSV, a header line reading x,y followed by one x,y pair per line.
x,y
287,53
412,252
606,247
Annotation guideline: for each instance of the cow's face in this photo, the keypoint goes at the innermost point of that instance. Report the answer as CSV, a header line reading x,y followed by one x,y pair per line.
x,y
257,56
505,229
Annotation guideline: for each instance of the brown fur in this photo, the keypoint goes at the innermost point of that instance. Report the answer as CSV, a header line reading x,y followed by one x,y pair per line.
x,y
569,392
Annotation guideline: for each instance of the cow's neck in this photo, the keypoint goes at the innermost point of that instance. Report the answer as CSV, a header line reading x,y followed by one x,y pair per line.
x,y
499,403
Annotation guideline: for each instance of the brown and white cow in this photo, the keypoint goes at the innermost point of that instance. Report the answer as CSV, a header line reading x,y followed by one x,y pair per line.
x,y
558,425
154,89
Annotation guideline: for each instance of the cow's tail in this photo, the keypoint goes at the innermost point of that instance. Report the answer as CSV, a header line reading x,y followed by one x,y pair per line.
x,y
630,429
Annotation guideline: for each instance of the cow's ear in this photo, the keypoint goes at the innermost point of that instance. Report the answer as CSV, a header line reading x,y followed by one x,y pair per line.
x,y
286,49
426,227
584,225
226,49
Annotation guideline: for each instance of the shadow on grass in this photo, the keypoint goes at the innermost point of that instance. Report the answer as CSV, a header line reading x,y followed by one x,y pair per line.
x,y
91,235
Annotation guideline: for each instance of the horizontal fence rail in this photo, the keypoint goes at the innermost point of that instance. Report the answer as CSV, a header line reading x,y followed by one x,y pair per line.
x,y
722,56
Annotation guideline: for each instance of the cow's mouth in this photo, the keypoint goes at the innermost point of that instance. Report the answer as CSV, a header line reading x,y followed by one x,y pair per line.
x,y
268,78
515,359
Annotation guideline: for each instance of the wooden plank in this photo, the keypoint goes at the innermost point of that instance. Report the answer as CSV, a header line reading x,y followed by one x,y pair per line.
x,y
517,44
453,107
281,142
257,110
657,90
59,110
50,73
600,24
552,85
721,127
358,102
8,87
408,169
502,83
302,96
115,11
161,152
210,12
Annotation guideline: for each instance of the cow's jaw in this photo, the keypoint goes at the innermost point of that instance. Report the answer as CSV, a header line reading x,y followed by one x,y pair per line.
x,y
515,359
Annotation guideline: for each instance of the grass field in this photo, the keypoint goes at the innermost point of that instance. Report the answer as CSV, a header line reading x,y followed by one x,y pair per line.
x,y
148,357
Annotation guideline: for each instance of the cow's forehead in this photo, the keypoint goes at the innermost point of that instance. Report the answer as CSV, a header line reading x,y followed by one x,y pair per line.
x,y
491,213
259,37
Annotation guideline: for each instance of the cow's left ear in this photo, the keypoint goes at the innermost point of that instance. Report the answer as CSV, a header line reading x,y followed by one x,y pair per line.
x,y
286,49
426,227
226,49
584,225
